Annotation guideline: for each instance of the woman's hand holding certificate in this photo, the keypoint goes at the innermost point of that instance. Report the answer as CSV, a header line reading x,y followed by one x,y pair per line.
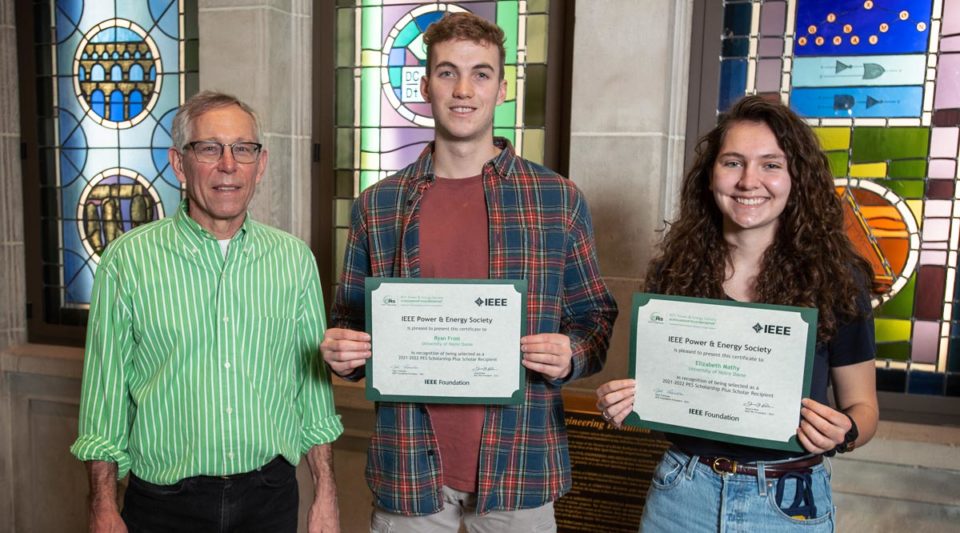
x,y
722,370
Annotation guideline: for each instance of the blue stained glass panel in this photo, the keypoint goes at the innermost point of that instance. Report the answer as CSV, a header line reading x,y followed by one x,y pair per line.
x,y
736,19
850,27
733,82
113,137
851,102
925,383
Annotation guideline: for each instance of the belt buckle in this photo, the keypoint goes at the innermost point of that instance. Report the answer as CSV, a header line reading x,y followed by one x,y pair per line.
x,y
720,463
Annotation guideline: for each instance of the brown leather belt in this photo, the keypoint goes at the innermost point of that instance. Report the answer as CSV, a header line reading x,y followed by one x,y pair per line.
x,y
722,465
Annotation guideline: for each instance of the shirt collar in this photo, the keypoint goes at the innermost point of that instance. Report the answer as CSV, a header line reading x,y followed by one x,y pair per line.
x,y
193,232
502,164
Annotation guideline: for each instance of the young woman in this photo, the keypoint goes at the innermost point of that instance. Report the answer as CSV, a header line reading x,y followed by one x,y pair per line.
x,y
760,222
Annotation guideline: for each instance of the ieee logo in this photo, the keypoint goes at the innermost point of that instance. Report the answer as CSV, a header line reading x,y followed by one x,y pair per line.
x,y
491,302
389,300
771,329
656,318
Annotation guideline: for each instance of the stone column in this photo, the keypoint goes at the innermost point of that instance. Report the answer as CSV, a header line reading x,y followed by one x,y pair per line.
x,y
628,114
12,281
260,50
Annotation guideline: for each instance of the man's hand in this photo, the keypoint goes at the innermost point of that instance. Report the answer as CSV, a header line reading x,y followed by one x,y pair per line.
x,y
106,520
345,349
104,515
548,353
323,516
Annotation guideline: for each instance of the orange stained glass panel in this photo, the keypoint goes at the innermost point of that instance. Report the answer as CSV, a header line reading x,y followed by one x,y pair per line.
x,y
878,231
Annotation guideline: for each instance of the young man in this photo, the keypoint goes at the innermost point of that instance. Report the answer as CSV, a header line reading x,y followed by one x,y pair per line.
x,y
469,207
201,374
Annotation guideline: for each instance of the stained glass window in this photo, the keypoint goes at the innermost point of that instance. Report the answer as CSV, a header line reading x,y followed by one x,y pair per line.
x,y
382,121
879,80
110,76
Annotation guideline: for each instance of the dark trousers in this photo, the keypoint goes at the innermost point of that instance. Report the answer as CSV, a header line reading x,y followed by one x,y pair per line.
x,y
266,499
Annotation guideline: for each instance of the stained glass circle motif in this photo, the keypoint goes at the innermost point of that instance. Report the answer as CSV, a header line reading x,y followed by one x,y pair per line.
x,y
404,60
885,232
117,73
113,202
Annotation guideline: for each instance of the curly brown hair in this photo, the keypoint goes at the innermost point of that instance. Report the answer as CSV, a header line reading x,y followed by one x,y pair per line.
x,y
811,262
464,26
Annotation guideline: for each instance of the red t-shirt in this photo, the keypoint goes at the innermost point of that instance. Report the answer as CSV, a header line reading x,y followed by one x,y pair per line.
x,y
454,243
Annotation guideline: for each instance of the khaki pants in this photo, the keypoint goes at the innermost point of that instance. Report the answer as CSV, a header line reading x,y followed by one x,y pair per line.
x,y
459,506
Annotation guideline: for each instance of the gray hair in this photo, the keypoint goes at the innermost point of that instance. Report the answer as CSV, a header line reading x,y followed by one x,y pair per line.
x,y
199,104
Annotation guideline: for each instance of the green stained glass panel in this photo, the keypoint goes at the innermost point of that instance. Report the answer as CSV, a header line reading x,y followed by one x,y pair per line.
x,y
896,351
505,133
537,38
406,36
505,114
344,148
916,168
508,14
344,97
533,145
838,163
370,37
346,28
344,183
886,144
342,212
904,188
538,6
370,86
901,305
535,105
892,330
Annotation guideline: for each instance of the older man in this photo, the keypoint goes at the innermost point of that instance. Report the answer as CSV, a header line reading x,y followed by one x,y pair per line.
x,y
201,374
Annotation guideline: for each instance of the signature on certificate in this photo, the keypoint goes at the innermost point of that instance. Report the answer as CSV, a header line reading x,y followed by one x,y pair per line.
x,y
405,370
758,408
670,395
485,371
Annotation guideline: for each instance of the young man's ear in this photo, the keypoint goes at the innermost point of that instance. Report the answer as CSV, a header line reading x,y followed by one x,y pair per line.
x,y
425,88
502,92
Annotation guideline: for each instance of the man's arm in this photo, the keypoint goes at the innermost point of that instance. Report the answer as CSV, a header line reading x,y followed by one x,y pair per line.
x,y
104,418
324,515
588,308
104,514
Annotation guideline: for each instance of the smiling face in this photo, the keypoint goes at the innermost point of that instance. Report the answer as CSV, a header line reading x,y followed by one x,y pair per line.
x,y
464,88
219,193
750,180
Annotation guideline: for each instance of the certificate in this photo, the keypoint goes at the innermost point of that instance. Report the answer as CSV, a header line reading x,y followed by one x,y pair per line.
x,y
722,370
446,340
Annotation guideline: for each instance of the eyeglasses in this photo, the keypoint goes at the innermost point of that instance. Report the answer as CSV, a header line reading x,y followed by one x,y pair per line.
x,y
211,151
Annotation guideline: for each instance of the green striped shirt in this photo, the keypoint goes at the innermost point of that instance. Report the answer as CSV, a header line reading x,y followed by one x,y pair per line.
x,y
198,364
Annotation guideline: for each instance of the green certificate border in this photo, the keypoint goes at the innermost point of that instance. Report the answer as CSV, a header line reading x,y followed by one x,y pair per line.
x,y
808,315
372,393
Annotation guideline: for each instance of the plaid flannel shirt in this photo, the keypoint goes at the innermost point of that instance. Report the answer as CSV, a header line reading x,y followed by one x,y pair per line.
x,y
539,230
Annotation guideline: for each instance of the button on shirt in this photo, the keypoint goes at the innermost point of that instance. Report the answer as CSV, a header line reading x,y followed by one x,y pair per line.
x,y
200,364
540,231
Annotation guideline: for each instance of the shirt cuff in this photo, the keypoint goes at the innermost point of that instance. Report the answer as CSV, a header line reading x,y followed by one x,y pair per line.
x,y
324,431
96,448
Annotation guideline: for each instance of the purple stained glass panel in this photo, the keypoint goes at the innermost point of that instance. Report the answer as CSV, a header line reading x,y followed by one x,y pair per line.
x,y
943,142
928,257
773,17
768,75
926,342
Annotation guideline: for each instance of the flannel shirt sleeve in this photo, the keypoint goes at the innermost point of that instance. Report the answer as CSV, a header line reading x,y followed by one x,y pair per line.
x,y
589,309
320,423
106,411
350,300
